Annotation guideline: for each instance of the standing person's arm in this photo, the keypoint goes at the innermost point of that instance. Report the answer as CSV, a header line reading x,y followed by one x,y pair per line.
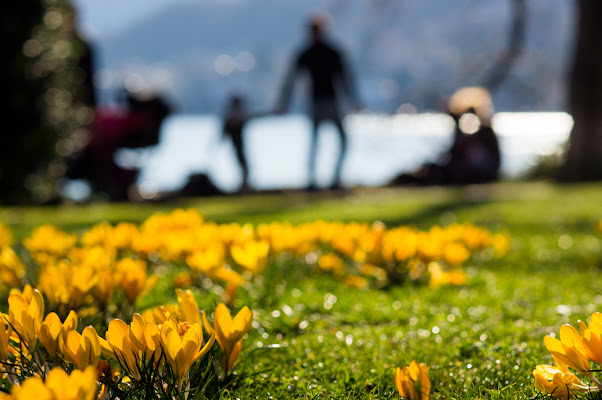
x,y
289,84
348,83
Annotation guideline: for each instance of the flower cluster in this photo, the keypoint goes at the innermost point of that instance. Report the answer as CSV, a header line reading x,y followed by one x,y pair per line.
x,y
73,276
88,271
573,353
101,274
158,351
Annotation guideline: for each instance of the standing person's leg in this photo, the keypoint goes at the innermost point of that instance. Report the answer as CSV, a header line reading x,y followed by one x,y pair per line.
x,y
313,149
238,143
336,183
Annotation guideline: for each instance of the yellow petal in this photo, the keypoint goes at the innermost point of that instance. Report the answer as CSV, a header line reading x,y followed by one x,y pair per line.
x,y
117,333
136,332
106,348
414,371
71,348
234,355
37,304
222,323
206,347
70,323
49,332
152,336
32,388
582,327
206,323
223,320
565,356
91,345
398,378
243,320
596,318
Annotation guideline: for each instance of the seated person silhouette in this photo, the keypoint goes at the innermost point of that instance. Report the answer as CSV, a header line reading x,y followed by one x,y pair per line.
x,y
135,125
474,156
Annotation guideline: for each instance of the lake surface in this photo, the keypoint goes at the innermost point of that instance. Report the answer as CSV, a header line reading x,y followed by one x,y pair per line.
x,y
380,147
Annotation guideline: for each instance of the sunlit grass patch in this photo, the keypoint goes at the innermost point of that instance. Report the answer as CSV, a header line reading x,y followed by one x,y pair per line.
x,y
314,336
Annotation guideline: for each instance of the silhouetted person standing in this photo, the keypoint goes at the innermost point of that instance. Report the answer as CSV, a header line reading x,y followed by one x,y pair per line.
x,y
328,76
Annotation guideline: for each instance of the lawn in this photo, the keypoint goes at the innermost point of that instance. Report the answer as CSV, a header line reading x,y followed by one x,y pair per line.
x,y
316,338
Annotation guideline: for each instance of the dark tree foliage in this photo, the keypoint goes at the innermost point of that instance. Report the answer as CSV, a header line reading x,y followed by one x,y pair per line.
x,y
584,157
41,110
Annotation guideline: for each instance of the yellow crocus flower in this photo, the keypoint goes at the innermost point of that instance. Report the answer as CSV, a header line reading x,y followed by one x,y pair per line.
x,y
182,345
188,306
160,314
430,244
399,244
501,244
31,388
66,284
130,345
123,234
54,284
332,263
80,385
119,346
356,281
207,259
592,338
229,332
182,280
569,351
134,279
455,253
81,349
413,382
146,336
251,255
97,235
26,310
47,242
52,331
12,269
6,236
560,384
230,277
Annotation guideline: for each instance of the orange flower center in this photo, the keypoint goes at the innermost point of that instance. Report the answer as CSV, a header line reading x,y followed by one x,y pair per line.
x,y
183,328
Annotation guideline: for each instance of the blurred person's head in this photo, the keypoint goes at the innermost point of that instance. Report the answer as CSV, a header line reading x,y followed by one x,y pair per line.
x,y
471,100
318,25
236,101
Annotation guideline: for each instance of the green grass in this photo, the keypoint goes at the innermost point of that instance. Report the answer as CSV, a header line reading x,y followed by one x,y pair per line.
x,y
480,341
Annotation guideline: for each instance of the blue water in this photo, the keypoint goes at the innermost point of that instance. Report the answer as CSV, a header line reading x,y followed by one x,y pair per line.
x,y
380,147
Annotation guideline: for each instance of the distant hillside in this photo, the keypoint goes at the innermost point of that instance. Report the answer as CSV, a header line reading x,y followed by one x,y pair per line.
x,y
401,51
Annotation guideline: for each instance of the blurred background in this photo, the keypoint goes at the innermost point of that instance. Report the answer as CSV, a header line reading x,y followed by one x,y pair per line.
x,y
406,57
401,51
